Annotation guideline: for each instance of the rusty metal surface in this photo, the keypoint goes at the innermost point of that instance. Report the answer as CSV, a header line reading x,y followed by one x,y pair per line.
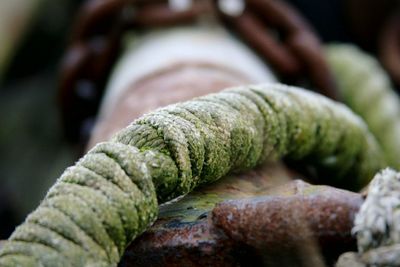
x,y
297,219
254,219
182,236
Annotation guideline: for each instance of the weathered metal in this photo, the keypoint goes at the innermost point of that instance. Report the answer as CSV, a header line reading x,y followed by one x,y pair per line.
x,y
250,219
297,221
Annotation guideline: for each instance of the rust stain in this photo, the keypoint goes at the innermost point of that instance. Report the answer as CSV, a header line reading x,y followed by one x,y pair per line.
x,y
298,219
259,218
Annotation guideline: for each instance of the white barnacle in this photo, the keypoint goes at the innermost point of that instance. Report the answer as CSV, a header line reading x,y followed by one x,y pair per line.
x,y
375,224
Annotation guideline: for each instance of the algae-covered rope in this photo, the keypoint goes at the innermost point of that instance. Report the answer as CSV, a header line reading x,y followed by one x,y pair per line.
x,y
367,90
97,207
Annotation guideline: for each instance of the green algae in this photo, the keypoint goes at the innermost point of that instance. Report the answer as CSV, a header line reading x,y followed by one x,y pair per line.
x,y
106,213
111,195
367,90
58,221
191,207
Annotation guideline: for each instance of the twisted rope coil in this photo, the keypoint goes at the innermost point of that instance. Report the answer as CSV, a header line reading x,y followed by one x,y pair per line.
x,y
97,207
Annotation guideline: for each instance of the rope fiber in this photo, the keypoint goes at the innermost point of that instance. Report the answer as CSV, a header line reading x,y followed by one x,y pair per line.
x,y
111,195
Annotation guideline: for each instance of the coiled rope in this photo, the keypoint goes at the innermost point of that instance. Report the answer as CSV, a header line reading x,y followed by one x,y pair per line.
x,y
97,207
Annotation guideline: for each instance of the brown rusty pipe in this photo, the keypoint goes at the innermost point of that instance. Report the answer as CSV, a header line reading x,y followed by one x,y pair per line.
x,y
318,216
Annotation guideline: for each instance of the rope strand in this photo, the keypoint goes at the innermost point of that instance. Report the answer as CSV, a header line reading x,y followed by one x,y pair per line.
x,y
110,196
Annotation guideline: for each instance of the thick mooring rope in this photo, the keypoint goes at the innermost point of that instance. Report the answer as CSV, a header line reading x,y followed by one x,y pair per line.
x,y
97,207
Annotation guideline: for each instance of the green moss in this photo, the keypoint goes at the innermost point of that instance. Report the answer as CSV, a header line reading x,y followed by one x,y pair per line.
x,y
44,255
84,218
103,207
12,260
191,207
366,88
58,221
30,232
111,195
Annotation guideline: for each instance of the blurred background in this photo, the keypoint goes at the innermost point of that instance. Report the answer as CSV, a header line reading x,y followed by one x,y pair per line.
x,y
33,38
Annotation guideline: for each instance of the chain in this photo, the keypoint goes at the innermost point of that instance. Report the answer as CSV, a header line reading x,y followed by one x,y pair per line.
x,y
273,28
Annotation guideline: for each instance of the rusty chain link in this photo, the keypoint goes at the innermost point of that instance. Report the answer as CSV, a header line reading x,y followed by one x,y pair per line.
x,y
389,47
273,28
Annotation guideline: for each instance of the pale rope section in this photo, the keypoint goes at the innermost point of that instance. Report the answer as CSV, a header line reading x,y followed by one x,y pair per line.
x,y
377,225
